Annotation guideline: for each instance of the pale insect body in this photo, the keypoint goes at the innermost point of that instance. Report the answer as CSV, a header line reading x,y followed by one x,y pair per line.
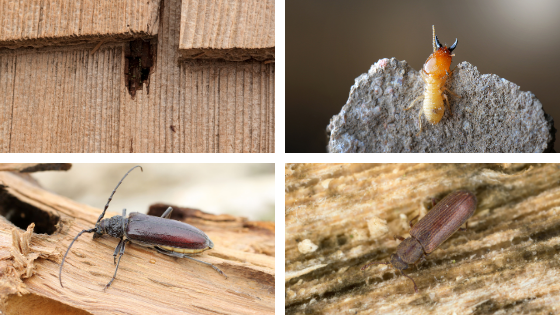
x,y
435,73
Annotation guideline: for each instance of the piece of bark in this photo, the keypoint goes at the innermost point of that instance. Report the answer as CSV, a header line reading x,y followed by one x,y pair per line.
x,y
506,262
146,282
34,167
491,115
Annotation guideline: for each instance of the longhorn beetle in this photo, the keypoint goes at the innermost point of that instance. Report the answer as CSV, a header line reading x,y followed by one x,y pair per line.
x,y
169,237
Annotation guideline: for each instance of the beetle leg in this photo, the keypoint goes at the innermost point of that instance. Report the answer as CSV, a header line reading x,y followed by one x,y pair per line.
x,y
167,213
410,222
174,254
466,226
415,287
117,249
422,259
118,262
397,237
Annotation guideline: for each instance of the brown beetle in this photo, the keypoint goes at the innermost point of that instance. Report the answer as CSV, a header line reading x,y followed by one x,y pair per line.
x,y
436,227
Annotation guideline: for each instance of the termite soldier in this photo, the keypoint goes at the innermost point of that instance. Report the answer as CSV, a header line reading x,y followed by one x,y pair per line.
x,y
169,237
445,218
435,73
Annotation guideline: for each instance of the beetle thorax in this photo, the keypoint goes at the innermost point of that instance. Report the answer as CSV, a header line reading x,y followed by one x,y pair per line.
x,y
410,250
113,226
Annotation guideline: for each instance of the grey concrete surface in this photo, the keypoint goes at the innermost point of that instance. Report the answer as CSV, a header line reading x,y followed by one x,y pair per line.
x,y
491,115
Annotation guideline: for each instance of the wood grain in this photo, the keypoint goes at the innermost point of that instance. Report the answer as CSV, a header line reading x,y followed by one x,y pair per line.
x,y
506,262
66,99
232,29
56,22
147,282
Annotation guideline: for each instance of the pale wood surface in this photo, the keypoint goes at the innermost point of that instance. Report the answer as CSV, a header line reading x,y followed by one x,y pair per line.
x,y
506,262
211,29
227,24
66,99
54,22
147,282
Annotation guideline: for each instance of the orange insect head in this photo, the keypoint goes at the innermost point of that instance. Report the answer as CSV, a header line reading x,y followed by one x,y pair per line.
x,y
439,61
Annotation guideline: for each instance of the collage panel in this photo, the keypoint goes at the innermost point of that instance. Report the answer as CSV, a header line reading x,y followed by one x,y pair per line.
x,y
137,238
428,76
422,238
129,76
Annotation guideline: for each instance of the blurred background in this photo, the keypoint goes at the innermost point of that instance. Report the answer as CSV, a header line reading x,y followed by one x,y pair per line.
x,y
239,189
330,43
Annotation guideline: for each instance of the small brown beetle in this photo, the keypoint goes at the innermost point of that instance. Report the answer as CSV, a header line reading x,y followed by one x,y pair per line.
x,y
436,227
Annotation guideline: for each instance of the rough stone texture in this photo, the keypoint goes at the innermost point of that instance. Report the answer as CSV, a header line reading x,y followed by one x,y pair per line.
x,y
492,115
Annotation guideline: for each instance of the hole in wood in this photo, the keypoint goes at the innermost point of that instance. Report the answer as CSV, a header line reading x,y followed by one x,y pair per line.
x,y
139,61
22,214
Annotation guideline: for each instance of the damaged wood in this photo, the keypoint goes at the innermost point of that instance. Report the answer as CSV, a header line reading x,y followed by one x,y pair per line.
x,y
139,56
505,262
147,282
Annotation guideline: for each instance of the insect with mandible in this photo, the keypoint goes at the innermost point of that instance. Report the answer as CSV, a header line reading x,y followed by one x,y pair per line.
x,y
435,73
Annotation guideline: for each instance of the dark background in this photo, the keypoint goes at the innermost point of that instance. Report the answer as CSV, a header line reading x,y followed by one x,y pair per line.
x,y
330,43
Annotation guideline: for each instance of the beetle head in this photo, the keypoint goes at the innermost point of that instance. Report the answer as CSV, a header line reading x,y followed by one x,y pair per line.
x,y
398,263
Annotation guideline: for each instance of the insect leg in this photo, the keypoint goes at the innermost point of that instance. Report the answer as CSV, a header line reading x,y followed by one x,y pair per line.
x,y
412,104
174,254
410,222
419,122
451,92
446,102
118,262
397,237
466,226
167,213
117,249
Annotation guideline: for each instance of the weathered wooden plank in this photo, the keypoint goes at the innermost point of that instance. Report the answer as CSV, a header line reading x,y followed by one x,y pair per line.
x,y
505,262
66,99
55,22
230,29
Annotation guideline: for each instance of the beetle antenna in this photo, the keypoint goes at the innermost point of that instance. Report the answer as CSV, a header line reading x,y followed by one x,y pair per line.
x,y
375,263
453,46
114,190
415,287
64,258
434,37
